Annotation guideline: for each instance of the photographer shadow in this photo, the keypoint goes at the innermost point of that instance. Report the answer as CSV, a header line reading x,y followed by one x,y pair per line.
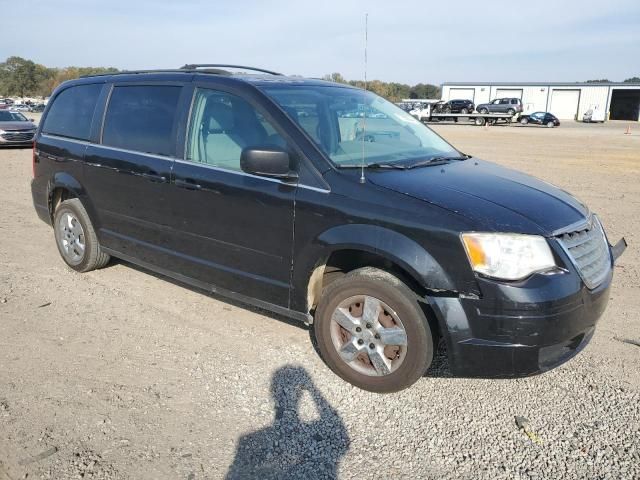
x,y
291,448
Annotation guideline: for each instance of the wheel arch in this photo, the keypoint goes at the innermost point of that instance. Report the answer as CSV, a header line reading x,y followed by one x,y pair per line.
x,y
358,245
64,186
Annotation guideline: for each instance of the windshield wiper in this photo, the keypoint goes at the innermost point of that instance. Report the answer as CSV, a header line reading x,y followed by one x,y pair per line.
x,y
374,166
437,161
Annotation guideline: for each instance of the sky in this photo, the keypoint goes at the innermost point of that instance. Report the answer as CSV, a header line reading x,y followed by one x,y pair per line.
x,y
408,41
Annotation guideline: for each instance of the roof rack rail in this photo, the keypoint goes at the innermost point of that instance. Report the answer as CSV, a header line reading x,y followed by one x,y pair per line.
x,y
134,72
195,66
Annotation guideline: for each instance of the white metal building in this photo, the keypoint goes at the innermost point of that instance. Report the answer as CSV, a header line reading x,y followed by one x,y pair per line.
x,y
567,101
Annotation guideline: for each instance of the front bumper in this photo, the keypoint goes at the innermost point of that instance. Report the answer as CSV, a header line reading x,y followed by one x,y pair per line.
x,y
520,329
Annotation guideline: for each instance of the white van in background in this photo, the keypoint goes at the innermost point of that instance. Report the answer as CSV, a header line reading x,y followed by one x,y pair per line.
x,y
594,114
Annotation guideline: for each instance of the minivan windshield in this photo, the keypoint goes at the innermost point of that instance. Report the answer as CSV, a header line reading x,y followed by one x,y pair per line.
x,y
355,127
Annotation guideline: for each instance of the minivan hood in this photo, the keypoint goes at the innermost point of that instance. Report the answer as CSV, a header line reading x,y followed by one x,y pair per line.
x,y
17,126
494,197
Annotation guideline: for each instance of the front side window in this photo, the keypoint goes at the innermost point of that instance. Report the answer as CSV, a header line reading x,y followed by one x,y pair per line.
x,y
353,126
222,125
141,118
72,112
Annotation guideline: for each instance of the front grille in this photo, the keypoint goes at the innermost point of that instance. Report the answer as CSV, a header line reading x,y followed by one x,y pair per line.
x,y
18,135
589,251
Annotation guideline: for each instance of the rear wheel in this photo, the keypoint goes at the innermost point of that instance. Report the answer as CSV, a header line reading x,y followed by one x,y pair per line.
x,y
464,111
372,332
524,121
550,124
75,237
480,121
511,111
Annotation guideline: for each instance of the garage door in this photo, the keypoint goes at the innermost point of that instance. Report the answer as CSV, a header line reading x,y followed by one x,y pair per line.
x,y
462,93
564,103
508,93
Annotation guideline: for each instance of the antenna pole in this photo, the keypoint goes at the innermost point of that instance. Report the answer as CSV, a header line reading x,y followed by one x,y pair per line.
x,y
364,118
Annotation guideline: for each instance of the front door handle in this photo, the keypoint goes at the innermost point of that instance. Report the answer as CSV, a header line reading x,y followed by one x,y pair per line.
x,y
188,184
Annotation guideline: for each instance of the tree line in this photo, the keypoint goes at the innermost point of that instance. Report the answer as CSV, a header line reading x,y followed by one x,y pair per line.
x,y
606,80
25,78
392,91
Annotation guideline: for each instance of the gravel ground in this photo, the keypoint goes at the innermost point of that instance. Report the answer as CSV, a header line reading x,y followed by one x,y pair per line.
x,y
122,374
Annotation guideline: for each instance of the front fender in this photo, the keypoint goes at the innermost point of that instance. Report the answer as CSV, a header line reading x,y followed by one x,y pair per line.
x,y
391,245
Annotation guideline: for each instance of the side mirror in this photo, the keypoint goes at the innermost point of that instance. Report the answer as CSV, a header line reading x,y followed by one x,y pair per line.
x,y
267,161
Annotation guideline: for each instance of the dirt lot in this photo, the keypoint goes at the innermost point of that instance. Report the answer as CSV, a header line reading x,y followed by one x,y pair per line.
x,y
121,374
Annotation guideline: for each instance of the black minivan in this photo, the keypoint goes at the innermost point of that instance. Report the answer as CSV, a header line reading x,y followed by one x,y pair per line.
x,y
327,204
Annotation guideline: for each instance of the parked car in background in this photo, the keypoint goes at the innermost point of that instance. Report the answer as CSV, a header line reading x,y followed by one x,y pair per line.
x,y
38,108
384,238
501,105
20,107
16,129
455,106
540,118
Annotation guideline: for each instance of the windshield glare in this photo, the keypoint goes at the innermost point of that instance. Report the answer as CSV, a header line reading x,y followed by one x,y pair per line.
x,y
6,116
349,124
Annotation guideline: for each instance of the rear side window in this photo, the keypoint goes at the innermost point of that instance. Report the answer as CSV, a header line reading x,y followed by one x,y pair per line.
x,y
72,112
141,118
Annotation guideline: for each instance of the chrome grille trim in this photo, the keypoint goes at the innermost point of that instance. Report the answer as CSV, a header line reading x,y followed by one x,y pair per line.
x,y
18,135
589,252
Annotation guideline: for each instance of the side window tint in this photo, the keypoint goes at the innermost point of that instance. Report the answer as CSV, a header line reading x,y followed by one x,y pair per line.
x,y
72,112
222,125
141,118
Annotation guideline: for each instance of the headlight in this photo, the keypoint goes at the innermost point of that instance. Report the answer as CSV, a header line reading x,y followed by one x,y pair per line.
x,y
507,256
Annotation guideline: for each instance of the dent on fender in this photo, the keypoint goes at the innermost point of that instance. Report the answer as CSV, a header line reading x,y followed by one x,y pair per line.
x,y
394,246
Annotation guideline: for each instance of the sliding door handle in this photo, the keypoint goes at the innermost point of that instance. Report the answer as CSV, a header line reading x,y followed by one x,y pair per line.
x,y
155,178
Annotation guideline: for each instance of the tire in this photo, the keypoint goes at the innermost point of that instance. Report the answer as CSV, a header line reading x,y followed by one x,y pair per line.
x,y
524,121
398,311
483,110
73,229
511,111
480,121
464,111
550,124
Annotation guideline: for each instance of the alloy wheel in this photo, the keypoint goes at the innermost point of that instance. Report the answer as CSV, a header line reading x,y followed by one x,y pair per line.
x,y
368,335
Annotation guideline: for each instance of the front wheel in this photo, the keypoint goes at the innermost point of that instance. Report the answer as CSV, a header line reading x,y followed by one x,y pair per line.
x,y
524,121
75,237
464,111
511,111
483,110
372,332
